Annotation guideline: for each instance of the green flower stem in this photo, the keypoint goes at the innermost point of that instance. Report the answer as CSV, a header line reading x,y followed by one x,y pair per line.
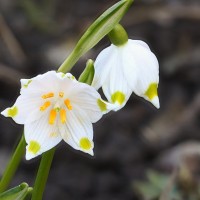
x,y
97,30
42,175
13,165
69,62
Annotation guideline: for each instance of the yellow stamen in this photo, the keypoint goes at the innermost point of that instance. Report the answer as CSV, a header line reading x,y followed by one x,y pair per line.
x,y
48,95
52,116
68,104
63,116
61,94
45,106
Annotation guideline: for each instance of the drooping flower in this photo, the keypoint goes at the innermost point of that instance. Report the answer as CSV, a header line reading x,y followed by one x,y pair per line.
x,y
55,106
126,68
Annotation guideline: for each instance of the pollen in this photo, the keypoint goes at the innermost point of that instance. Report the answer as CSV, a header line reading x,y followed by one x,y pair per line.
x,y
48,95
52,116
63,116
34,147
85,144
68,104
61,94
45,106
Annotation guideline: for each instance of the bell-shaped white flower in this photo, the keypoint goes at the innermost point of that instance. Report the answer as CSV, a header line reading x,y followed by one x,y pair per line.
x,y
131,67
55,106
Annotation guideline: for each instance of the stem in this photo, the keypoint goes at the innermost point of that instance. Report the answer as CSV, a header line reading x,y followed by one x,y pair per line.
x,y
42,174
69,62
13,165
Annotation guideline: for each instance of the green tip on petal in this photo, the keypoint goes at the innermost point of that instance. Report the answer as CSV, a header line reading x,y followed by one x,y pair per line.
x,y
12,112
27,84
85,144
102,105
34,147
151,92
118,97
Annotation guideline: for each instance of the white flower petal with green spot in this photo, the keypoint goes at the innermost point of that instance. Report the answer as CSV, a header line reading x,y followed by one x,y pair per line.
x,y
40,136
148,73
23,109
85,98
55,106
130,68
78,131
115,88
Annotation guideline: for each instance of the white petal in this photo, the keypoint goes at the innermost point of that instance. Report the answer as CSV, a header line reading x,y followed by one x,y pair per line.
x,y
25,83
145,66
139,42
30,100
45,83
155,102
86,98
61,75
102,66
129,65
116,88
40,137
70,76
77,128
23,108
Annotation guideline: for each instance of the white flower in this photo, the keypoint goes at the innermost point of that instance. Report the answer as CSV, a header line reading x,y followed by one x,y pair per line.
x,y
55,106
121,70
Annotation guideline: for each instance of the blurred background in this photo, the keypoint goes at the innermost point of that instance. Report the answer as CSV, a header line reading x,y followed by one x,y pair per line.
x,y
140,153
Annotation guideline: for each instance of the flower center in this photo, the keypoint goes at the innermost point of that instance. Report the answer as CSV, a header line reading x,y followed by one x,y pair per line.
x,y
61,105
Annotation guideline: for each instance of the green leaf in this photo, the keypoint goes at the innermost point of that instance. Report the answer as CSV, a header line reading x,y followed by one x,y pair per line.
x,y
101,27
88,74
147,190
157,179
16,193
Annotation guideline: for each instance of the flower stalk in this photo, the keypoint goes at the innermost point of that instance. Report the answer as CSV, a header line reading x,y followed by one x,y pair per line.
x,y
13,165
99,28
42,175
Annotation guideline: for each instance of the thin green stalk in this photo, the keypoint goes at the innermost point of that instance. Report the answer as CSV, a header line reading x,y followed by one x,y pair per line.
x,y
42,175
69,62
97,30
13,165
